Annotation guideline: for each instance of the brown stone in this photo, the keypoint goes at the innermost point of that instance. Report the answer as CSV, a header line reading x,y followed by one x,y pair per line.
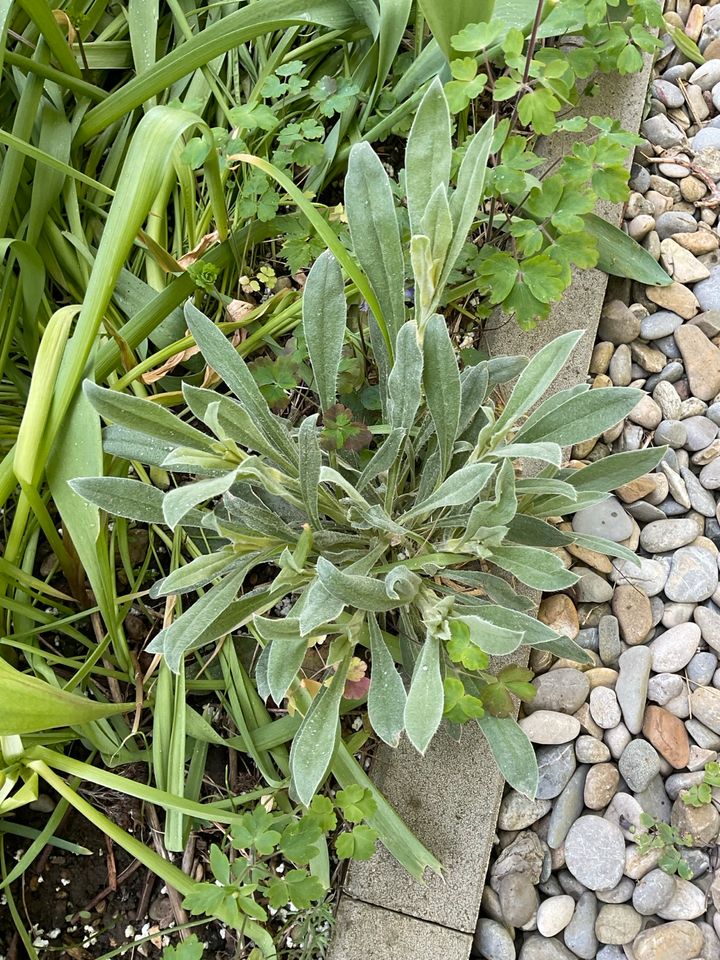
x,y
668,735
558,612
632,608
703,241
702,361
675,297
637,489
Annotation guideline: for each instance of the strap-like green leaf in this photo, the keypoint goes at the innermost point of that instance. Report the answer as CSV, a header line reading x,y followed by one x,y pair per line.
x,y
463,486
495,640
375,232
122,497
363,593
324,312
405,379
178,502
310,464
315,741
442,386
386,696
468,194
227,363
144,416
425,699
513,752
581,417
535,568
287,652
536,378
612,472
428,154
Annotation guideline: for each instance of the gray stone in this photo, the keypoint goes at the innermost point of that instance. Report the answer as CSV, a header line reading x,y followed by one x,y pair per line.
x,y
564,689
701,432
677,940
707,138
701,668
589,749
710,475
653,892
591,587
665,535
492,941
661,132
693,575
672,222
617,924
609,643
632,684
703,736
579,934
687,902
668,93
639,764
700,500
654,799
709,623
518,812
566,808
537,947
552,727
666,395
647,574
705,707
707,291
664,687
618,324
607,519
620,893
556,765
554,914
624,811
604,708
670,432
675,648
595,852
707,75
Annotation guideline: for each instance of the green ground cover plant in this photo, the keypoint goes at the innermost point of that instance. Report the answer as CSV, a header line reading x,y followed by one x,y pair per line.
x,y
248,197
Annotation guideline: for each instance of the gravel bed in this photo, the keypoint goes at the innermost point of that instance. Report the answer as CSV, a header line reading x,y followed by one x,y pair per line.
x,y
632,733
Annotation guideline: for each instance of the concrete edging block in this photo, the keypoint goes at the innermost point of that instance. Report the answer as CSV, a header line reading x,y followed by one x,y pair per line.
x,y
450,798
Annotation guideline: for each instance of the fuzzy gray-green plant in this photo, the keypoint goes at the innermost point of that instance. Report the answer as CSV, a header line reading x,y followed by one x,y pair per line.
x,y
406,551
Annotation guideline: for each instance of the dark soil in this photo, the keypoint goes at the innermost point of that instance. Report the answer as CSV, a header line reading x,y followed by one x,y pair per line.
x,y
68,904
